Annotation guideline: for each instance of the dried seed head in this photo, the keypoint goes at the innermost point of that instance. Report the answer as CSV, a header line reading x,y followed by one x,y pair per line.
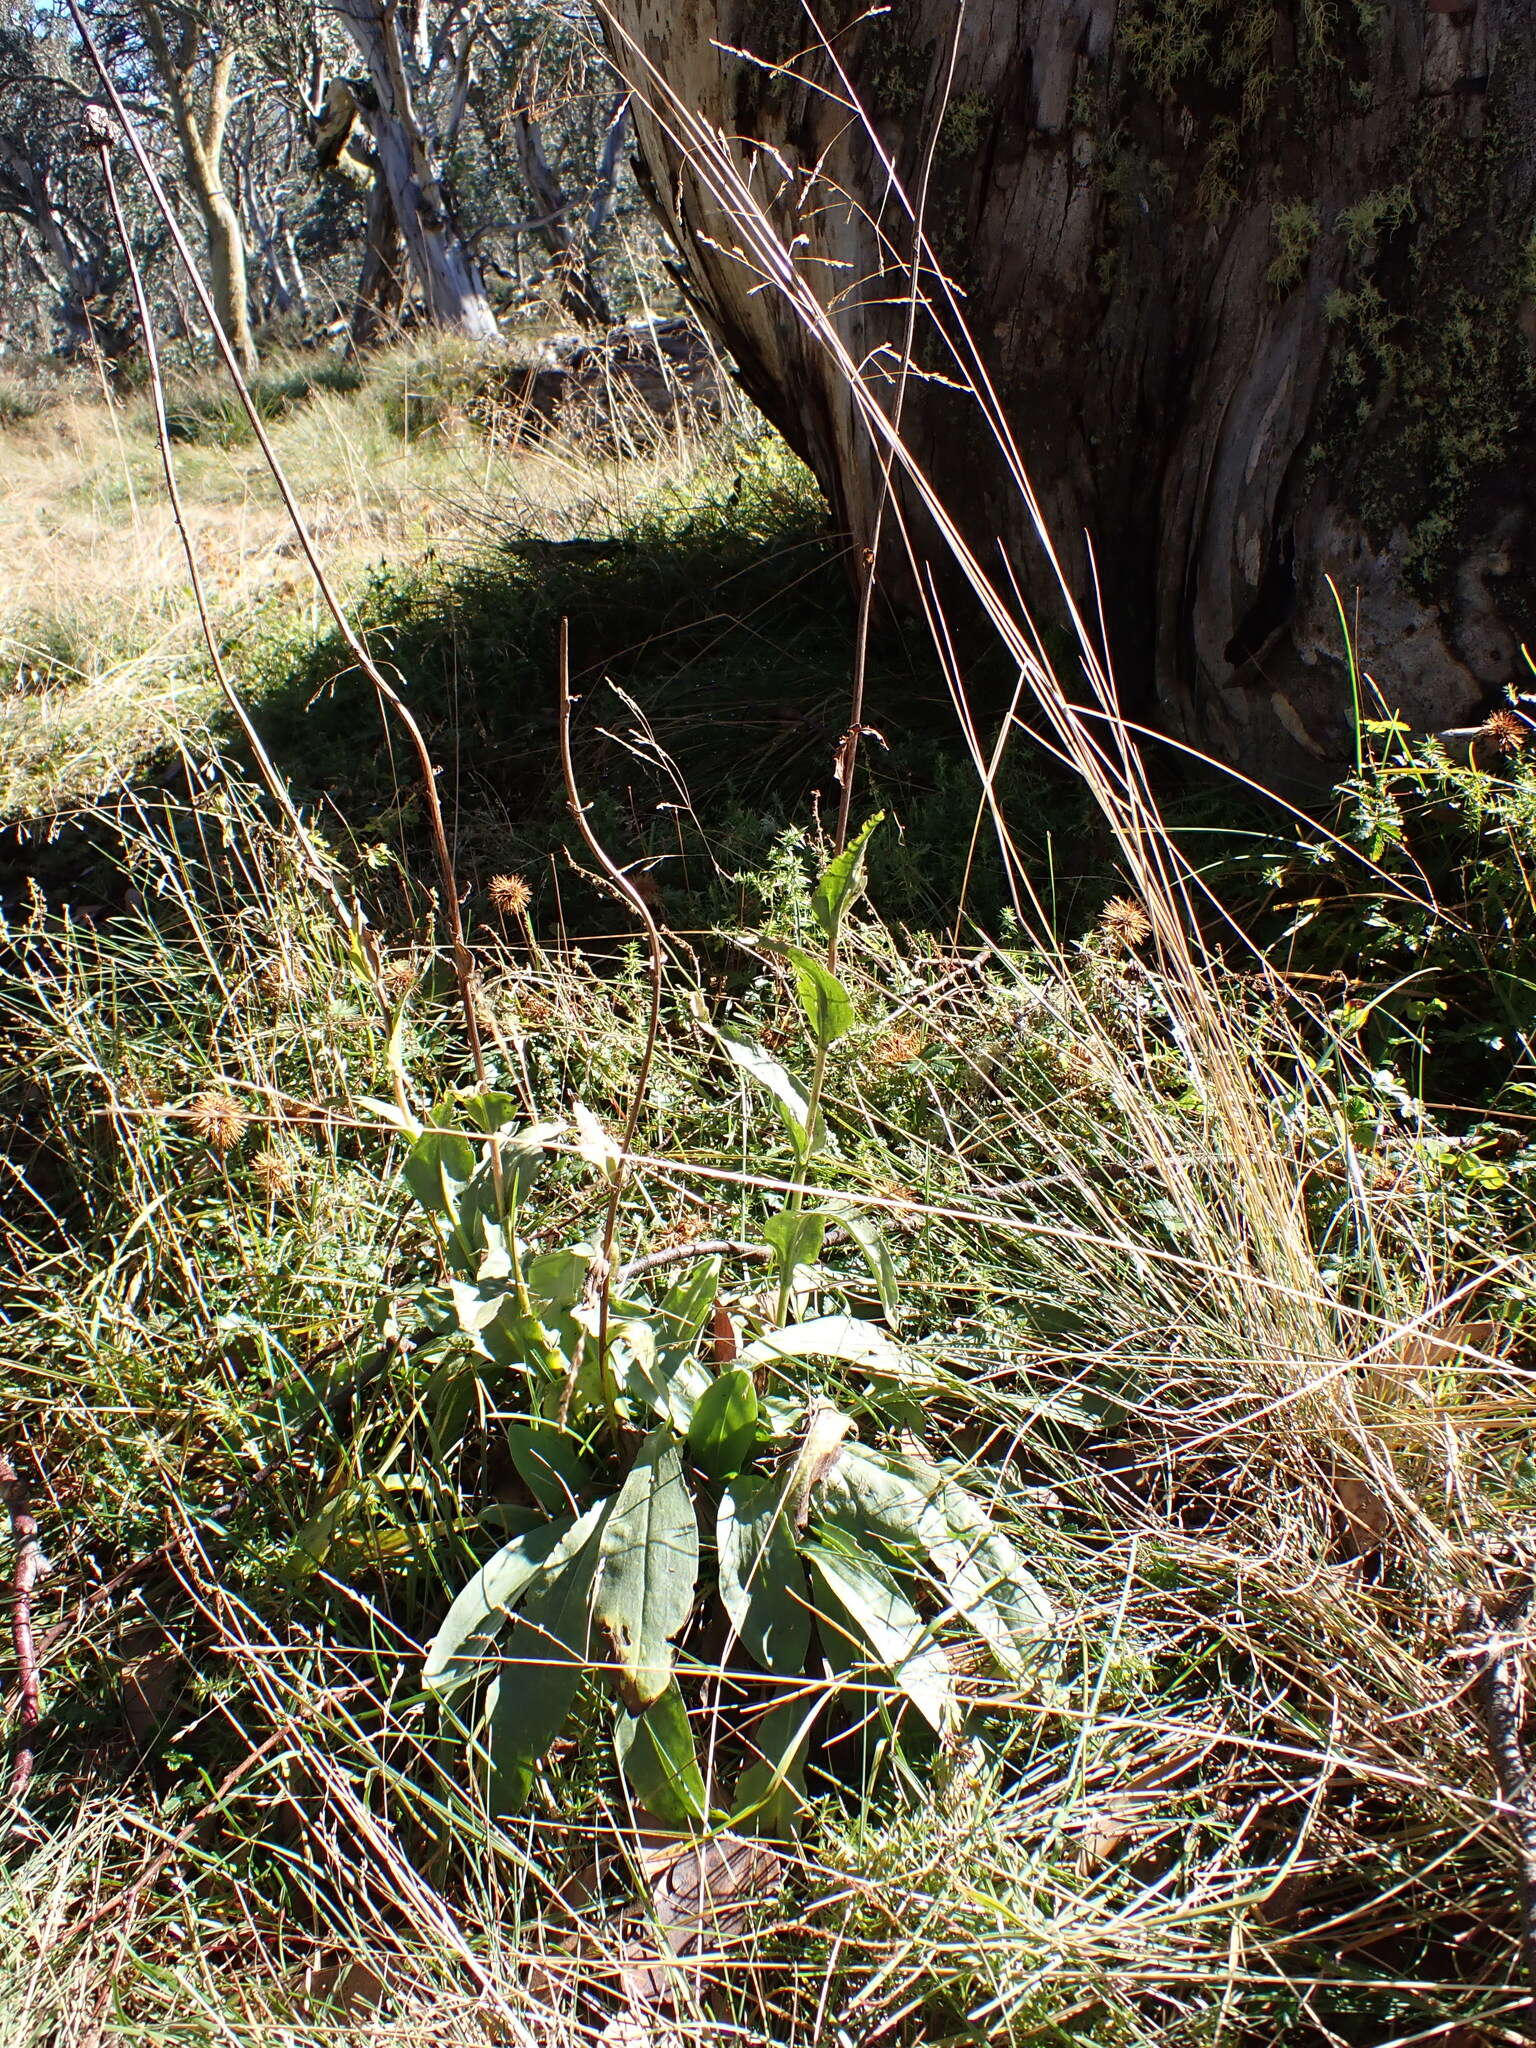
x,y
282,975
900,1045
1124,924
1505,731
273,1172
534,1012
399,974
904,1212
140,1090
509,894
685,1229
218,1119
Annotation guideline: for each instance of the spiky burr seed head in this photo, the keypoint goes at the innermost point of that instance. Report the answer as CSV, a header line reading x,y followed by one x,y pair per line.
x,y
218,1119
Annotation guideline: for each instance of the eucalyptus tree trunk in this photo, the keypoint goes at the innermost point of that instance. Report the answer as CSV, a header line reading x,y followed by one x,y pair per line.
x,y
575,281
394,111
200,118
1254,280
381,282
61,253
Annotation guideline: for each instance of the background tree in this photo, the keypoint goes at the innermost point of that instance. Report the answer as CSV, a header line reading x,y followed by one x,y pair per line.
x,y
493,131
194,54
1253,279
544,71
57,248
412,103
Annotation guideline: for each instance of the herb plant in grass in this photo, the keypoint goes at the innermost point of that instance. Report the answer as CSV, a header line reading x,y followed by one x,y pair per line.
x,y
697,1512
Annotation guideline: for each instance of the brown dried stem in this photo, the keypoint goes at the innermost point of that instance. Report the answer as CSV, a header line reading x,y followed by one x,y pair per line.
x,y
1497,1679
626,888
28,1568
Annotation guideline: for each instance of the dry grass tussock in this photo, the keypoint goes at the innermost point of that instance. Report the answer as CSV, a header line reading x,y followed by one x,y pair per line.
x,y
1254,1801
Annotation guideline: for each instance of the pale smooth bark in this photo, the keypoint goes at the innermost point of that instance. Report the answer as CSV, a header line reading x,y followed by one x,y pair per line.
x,y
394,112
200,119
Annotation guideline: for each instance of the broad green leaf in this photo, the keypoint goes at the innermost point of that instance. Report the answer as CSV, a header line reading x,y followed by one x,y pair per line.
x,y
437,1169
844,1337
865,1595
649,1566
517,1156
796,1235
677,1379
550,1465
867,1235
487,1110
987,1580
477,1305
724,1426
686,1304
783,1415
546,1653
390,1113
771,1791
555,1279
666,1380
456,1181
762,1582
763,1068
827,1004
656,1753
482,1609
842,880
513,1339
864,1494
917,1511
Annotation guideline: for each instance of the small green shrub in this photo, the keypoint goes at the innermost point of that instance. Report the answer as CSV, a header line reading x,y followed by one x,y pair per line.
x,y
1422,908
661,1462
18,402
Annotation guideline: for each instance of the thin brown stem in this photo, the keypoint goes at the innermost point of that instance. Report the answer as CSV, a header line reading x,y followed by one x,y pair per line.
x,y
626,888
26,1571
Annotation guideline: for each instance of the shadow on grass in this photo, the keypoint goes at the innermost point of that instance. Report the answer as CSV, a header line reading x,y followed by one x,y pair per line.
x,y
712,647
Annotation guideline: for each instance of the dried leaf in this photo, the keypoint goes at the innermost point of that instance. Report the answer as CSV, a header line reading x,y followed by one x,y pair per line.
x,y
1449,1341
349,1989
1367,1517
723,1346
707,1888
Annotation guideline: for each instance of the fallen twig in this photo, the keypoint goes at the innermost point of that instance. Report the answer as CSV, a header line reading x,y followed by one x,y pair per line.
x,y
1495,1656
708,1248
29,1567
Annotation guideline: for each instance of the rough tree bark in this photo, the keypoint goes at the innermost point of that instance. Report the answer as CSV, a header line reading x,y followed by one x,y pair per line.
x,y
1255,280
393,109
179,48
